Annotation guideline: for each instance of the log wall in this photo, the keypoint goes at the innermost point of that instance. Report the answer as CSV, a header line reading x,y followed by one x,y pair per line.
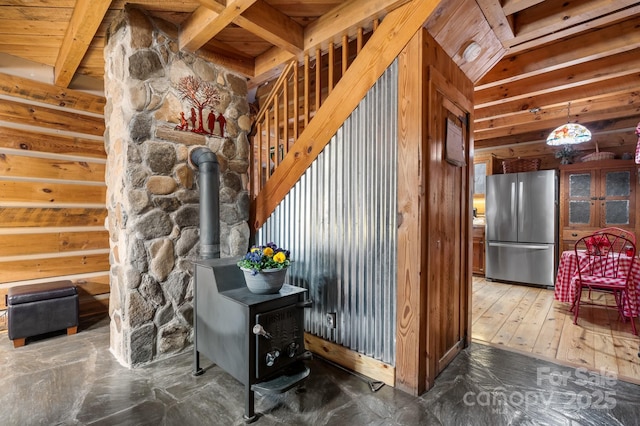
x,y
52,191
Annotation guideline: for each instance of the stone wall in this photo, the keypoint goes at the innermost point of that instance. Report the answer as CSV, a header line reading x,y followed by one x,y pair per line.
x,y
152,194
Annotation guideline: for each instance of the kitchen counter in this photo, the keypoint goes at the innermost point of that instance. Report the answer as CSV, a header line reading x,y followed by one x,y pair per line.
x,y
478,222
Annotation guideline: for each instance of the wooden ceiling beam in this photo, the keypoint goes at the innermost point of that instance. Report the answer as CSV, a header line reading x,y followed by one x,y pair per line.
x,y
580,110
597,128
268,23
622,64
204,24
547,125
618,86
602,21
593,45
495,16
273,26
512,6
224,49
244,66
85,20
556,15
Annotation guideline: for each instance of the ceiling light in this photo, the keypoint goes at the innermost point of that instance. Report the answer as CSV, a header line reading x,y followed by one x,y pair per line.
x,y
471,52
570,133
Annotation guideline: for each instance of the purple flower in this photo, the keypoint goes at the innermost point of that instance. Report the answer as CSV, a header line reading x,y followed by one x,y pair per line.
x,y
254,256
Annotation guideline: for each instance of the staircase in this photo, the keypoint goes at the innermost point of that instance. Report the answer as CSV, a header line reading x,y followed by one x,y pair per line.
x,y
308,103
293,101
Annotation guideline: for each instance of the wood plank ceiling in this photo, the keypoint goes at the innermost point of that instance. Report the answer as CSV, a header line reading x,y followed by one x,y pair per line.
x,y
535,57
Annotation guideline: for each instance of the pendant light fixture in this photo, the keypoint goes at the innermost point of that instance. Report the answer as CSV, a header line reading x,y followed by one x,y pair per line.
x,y
570,133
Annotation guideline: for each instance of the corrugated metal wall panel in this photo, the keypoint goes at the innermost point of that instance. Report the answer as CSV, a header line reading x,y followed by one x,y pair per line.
x,y
339,222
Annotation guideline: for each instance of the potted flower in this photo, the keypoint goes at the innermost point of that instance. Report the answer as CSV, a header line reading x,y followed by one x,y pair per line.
x,y
566,154
265,268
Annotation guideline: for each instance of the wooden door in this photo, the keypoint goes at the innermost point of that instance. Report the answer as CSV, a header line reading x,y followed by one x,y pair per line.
x,y
448,230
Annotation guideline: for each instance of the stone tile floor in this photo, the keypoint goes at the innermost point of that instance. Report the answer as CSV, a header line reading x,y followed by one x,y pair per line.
x,y
74,380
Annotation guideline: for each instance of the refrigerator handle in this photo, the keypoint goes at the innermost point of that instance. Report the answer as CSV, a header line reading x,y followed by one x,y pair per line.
x,y
520,207
520,245
514,202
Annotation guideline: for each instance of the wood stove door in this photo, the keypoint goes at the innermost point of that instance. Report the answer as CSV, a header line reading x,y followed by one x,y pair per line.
x,y
283,340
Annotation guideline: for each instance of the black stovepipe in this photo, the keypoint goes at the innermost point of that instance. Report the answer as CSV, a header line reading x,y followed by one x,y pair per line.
x,y
206,162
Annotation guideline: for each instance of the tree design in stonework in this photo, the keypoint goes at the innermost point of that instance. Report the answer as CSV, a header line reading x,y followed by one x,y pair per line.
x,y
200,95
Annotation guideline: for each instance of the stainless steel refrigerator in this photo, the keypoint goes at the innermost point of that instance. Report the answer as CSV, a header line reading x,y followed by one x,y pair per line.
x,y
522,222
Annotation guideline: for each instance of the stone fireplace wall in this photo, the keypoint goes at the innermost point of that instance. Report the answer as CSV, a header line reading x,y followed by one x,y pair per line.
x,y
152,195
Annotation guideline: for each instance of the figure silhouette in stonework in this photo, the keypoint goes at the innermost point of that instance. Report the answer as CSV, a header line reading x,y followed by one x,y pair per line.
x,y
183,123
222,122
193,118
211,121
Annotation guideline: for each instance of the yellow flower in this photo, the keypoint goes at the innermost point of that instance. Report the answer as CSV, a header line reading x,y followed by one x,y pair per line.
x,y
280,257
268,251
255,249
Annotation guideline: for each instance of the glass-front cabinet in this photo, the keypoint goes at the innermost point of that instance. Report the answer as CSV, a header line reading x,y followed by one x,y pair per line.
x,y
595,195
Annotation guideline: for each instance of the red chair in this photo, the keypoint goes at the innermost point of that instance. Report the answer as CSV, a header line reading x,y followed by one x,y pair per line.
x,y
606,262
618,231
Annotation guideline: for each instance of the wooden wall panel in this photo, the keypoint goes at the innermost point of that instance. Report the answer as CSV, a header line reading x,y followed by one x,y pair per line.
x,y
46,192
26,113
60,96
30,140
52,267
52,191
50,168
25,217
350,359
411,258
58,242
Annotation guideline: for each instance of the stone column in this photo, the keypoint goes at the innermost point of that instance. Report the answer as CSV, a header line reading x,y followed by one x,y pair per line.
x,y
152,194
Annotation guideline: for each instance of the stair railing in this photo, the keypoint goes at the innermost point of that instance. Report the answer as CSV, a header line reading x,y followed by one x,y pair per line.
x,y
296,96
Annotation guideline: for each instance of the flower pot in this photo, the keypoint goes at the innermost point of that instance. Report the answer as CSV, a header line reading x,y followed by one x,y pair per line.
x,y
267,281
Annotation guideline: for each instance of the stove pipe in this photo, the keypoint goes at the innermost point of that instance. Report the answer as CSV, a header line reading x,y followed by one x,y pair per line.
x,y
206,162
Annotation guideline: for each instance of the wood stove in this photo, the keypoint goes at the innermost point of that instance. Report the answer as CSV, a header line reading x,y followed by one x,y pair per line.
x,y
256,338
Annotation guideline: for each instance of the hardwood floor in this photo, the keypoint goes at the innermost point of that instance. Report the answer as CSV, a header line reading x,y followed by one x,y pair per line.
x,y
528,320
